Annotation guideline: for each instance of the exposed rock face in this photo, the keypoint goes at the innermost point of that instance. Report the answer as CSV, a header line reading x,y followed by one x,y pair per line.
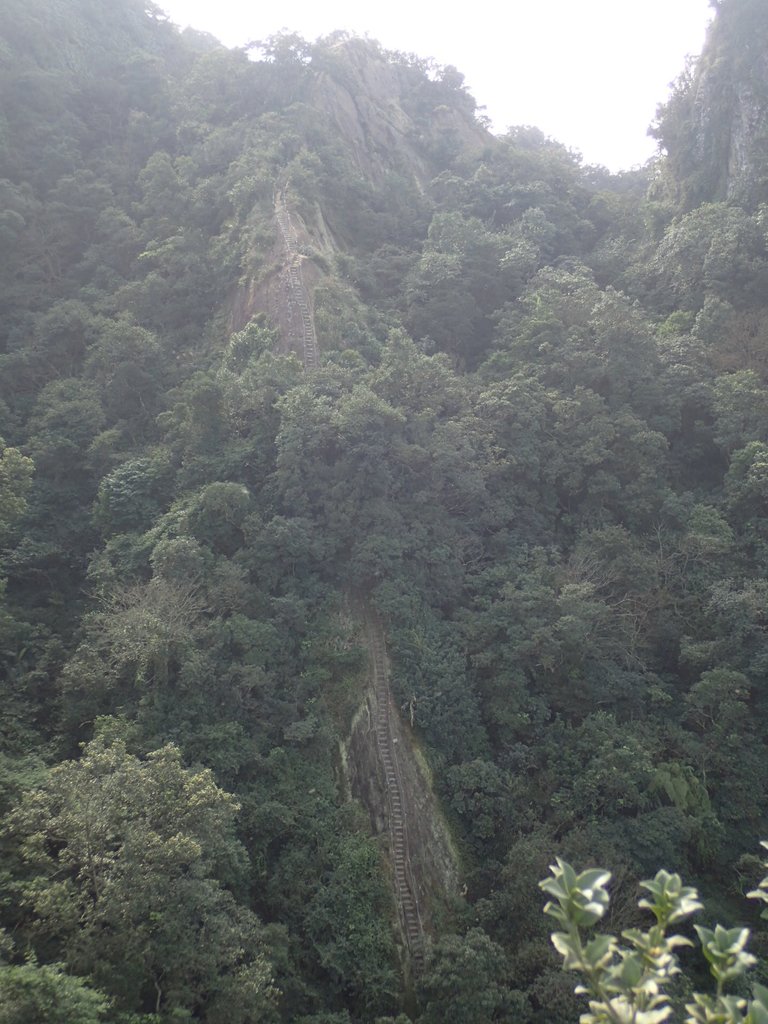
x,y
370,106
748,144
715,128
386,772
731,121
285,293
388,119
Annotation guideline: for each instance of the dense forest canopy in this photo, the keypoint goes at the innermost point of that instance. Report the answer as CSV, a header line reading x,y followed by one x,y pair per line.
x,y
536,442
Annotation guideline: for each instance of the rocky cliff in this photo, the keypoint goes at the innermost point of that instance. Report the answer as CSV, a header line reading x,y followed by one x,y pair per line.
x,y
388,116
715,126
385,769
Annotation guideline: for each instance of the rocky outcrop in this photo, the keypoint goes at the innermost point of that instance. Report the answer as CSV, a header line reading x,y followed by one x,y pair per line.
x,y
370,105
390,123
385,770
285,292
715,126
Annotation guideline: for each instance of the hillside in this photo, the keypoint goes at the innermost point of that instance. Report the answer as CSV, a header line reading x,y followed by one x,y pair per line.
x,y
383,514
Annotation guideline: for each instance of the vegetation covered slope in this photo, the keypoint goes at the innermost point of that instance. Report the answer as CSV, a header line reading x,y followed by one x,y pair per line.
x,y
538,439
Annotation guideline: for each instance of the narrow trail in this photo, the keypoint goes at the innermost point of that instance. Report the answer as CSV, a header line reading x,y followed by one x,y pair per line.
x,y
405,889
302,327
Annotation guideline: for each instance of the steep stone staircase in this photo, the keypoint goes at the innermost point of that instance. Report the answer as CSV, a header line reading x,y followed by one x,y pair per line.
x,y
302,333
302,326
405,889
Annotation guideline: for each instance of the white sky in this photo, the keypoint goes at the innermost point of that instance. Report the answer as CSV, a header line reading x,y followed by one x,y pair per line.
x,y
587,72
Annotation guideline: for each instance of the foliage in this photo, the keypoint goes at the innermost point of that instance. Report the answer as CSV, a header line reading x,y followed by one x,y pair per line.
x,y
15,476
535,440
123,857
48,995
632,982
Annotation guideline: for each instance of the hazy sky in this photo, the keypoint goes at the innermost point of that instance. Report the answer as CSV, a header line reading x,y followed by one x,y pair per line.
x,y
587,72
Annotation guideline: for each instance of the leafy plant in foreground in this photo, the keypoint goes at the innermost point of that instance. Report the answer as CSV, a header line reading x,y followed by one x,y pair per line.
x,y
626,984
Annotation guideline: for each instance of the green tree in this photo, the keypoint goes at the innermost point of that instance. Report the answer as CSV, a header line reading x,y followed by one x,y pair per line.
x,y
465,981
124,859
47,995
348,924
15,479
629,984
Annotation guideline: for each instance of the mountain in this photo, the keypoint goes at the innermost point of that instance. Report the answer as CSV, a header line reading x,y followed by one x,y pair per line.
x,y
382,505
